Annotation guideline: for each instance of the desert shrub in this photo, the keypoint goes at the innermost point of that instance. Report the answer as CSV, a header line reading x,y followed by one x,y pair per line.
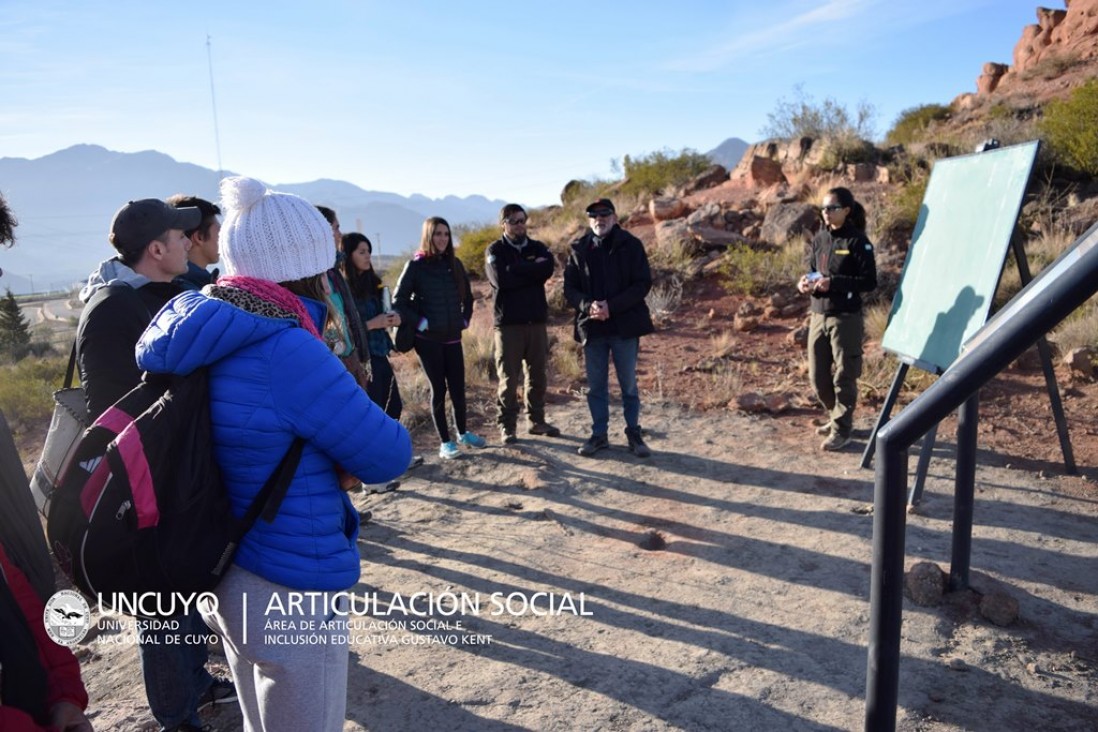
x,y
657,171
1078,329
664,298
472,241
804,117
1070,129
26,388
847,150
901,210
415,392
912,124
750,271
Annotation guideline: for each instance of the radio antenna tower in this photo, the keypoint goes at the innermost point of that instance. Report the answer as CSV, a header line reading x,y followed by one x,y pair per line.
x,y
213,104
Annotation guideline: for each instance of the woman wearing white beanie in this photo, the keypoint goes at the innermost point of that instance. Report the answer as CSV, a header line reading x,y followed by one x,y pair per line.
x,y
272,379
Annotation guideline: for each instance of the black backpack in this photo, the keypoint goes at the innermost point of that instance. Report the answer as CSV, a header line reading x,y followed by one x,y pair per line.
x,y
141,508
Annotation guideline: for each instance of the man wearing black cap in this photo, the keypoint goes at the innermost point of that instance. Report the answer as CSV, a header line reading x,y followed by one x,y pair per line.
x,y
606,280
122,296
124,293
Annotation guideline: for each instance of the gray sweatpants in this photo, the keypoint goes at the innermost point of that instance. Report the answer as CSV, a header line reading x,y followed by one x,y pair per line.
x,y
289,662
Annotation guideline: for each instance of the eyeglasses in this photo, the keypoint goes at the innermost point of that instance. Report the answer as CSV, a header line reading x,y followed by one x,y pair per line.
x,y
833,207
599,214
516,222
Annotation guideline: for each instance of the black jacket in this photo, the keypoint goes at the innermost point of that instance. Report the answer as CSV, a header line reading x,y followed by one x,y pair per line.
x,y
518,281
616,270
428,288
846,256
107,335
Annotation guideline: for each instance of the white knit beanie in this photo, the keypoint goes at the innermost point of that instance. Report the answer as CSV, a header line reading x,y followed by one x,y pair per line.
x,y
272,236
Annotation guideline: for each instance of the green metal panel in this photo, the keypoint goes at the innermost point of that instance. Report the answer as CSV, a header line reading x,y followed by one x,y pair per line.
x,y
957,254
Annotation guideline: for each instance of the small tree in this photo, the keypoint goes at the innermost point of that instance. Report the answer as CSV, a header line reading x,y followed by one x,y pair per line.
x,y
803,117
14,330
1071,128
660,170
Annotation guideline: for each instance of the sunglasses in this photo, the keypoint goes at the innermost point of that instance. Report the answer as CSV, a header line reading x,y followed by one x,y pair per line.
x,y
599,214
833,207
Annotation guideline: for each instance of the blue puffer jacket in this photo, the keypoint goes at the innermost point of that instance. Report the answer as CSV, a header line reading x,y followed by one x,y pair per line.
x,y
271,380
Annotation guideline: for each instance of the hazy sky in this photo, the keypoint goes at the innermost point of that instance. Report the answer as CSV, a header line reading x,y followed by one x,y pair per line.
x,y
505,99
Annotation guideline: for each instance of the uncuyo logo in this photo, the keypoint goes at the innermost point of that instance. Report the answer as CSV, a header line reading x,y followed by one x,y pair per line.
x,y
67,617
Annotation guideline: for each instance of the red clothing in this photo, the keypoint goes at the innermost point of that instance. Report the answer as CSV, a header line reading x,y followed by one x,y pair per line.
x,y
62,668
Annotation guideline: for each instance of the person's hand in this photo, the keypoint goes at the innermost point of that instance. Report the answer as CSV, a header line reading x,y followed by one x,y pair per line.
x,y
822,285
385,320
67,717
803,285
599,310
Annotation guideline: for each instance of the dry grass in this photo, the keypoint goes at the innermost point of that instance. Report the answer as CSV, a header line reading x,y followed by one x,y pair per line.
x,y
478,343
566,361
664,299
1078,330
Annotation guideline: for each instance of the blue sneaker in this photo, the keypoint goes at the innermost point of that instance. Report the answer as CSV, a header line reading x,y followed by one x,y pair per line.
x,y
471,440
449,451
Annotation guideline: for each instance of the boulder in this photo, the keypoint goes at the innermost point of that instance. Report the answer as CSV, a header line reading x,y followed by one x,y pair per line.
x,y
861,172
712,176
1000,608
989,80
709,239
926,584
784,221
759,171
745,323
672,233
750,402
799,336
664,208
1081,362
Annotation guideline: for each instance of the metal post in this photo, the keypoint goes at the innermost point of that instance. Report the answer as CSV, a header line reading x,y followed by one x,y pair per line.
x,y
964,492
886,588
886,412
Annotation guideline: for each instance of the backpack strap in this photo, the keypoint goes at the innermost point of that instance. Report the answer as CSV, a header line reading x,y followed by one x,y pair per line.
x,y
269,499
71,370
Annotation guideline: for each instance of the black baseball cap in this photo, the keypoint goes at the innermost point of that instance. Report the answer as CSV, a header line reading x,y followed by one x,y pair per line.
x,y
602,205
139,222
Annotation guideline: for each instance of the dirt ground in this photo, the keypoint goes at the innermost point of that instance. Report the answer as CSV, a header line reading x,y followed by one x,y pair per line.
x,y
724,585
721,584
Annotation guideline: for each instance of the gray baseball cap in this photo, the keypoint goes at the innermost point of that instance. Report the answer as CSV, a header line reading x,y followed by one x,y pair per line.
x,y
139,222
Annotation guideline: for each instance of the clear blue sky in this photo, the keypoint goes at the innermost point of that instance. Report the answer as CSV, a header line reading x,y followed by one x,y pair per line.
x,y
505,99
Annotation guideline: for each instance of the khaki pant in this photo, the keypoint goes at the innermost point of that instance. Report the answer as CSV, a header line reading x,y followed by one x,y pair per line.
x,y
835,344
522,352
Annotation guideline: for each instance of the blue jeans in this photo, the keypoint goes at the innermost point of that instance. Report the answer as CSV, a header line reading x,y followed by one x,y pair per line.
x,y
175,672
596,356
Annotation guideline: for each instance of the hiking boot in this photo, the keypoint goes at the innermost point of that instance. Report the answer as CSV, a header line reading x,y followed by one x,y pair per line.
x,y
448,451
544,428
472,440
636,442
594,444
221,691
364,517
507,435
824,429
835,442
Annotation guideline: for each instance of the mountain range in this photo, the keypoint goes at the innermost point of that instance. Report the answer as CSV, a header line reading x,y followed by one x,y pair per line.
x,y
64,202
